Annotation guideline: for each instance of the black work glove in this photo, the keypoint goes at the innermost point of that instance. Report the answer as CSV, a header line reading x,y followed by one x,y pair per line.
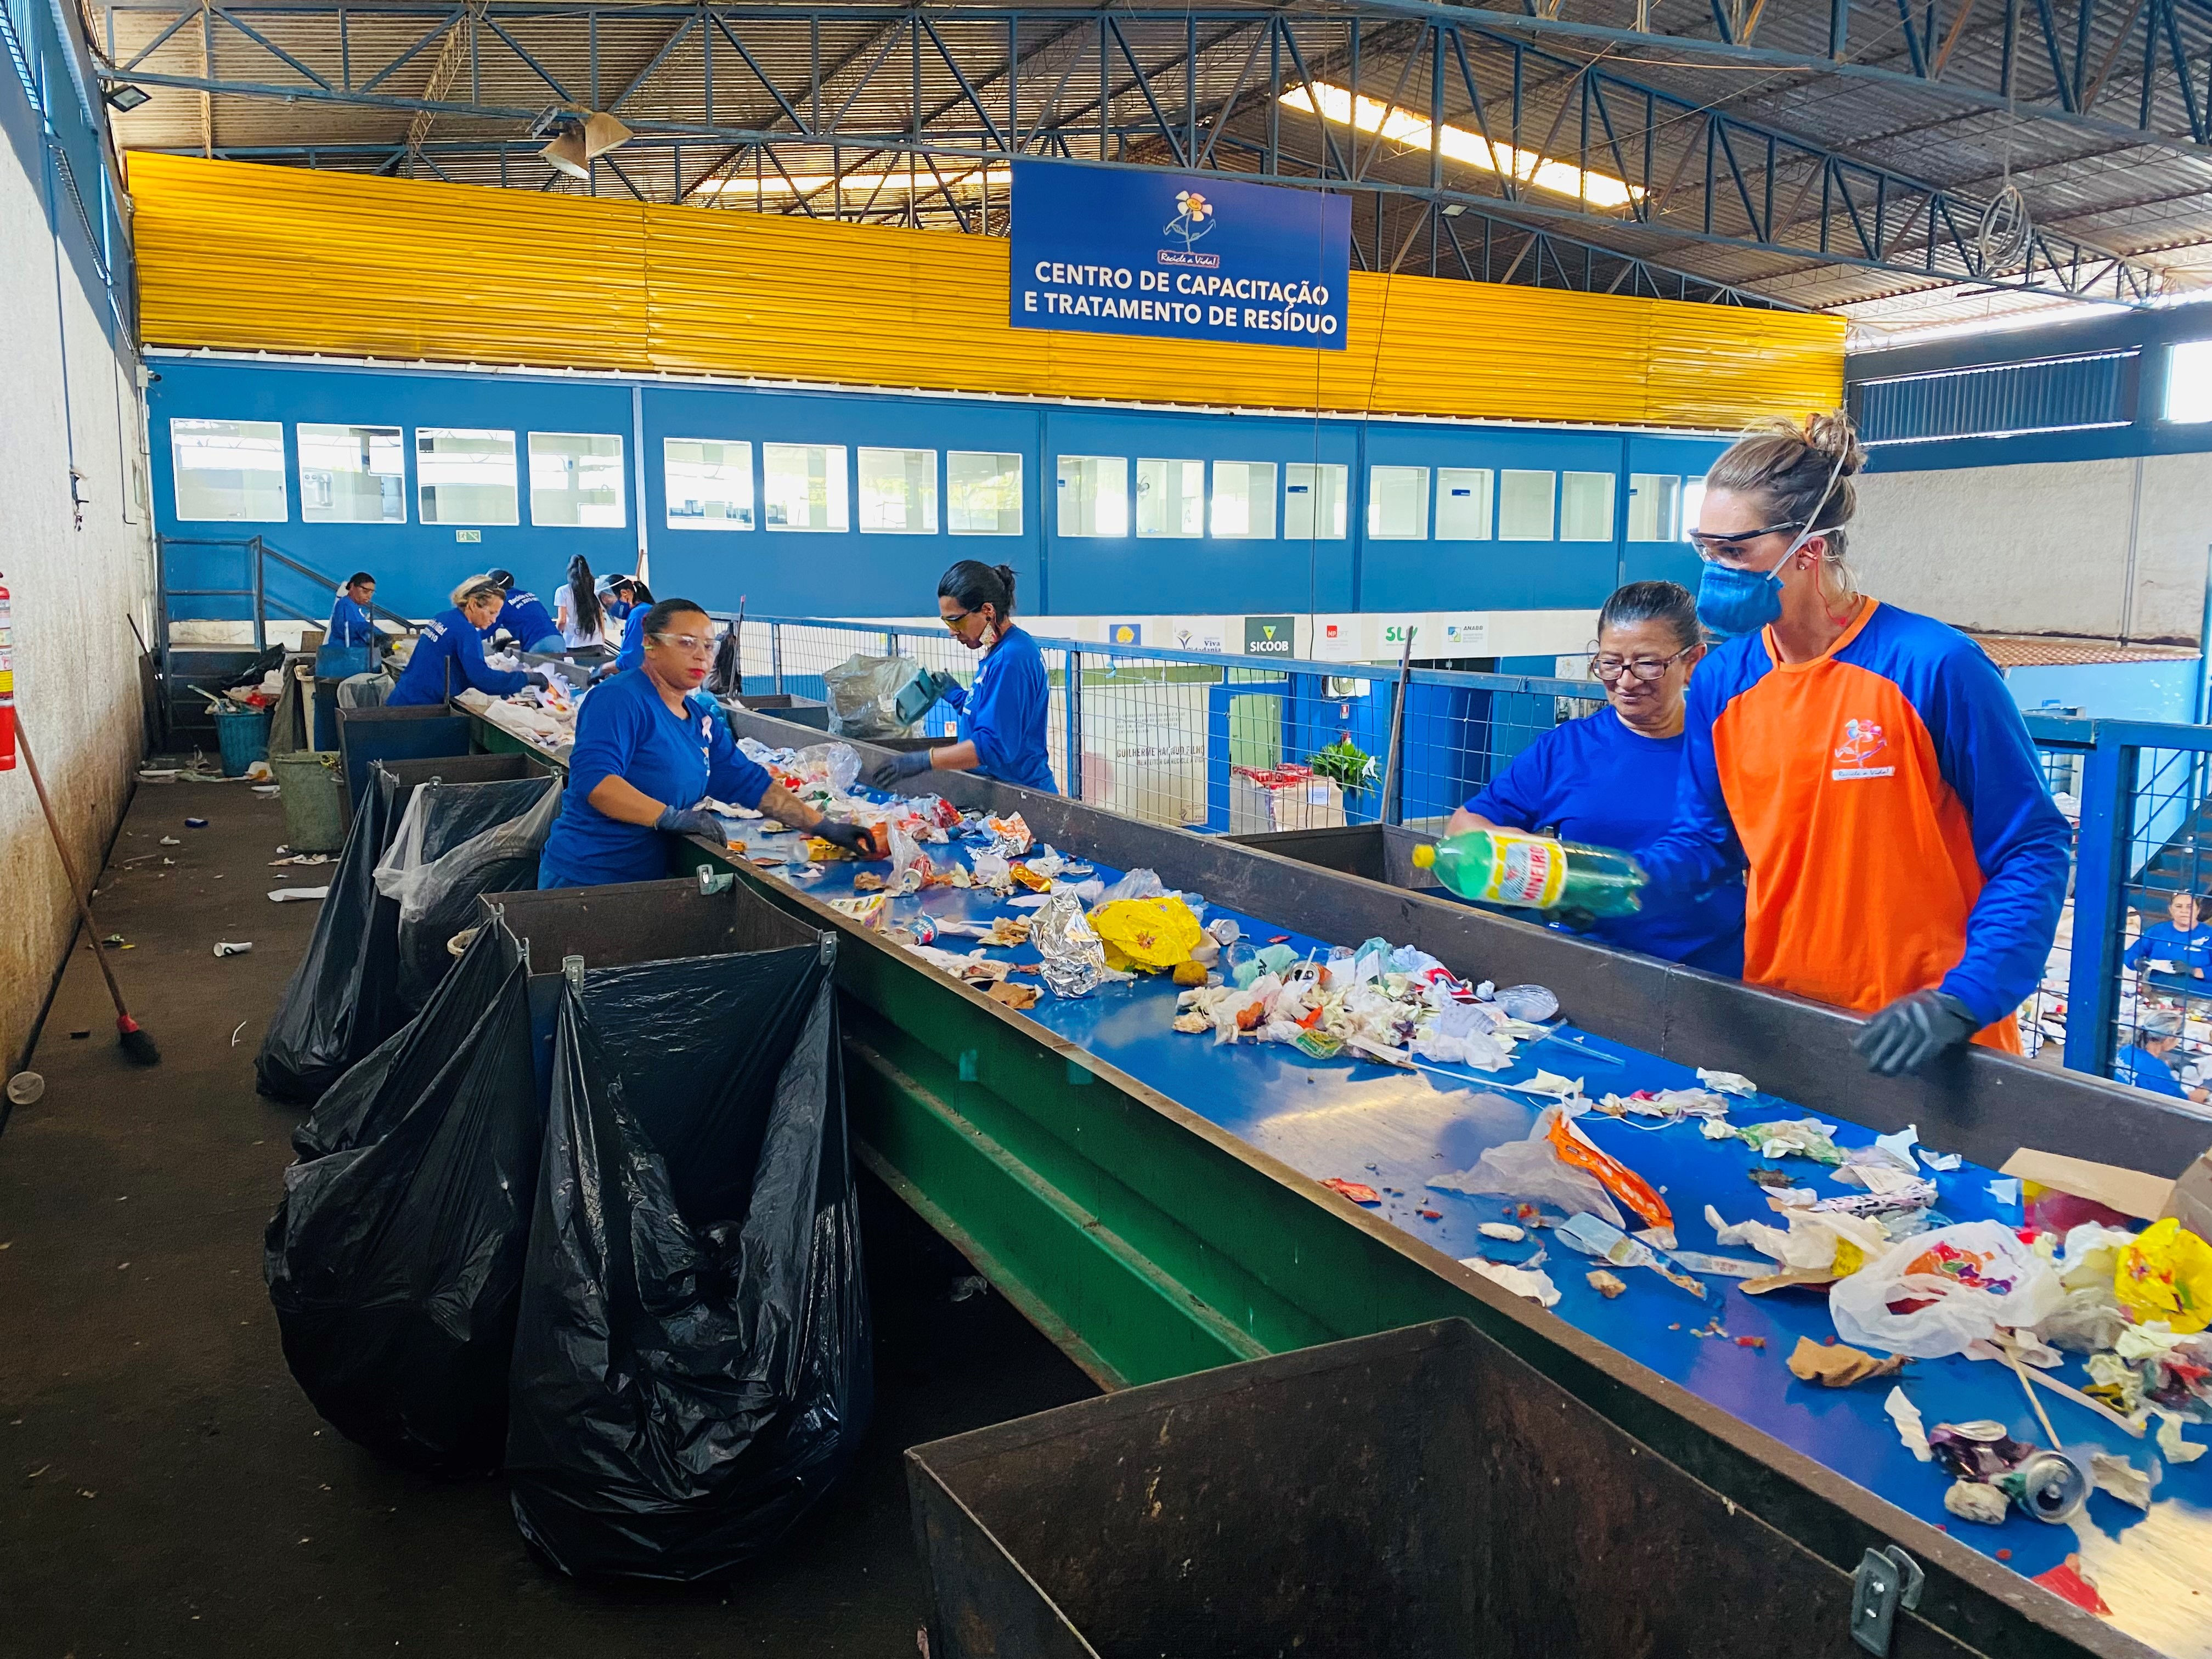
x,y
692,821
888,774
1914,1030
850,836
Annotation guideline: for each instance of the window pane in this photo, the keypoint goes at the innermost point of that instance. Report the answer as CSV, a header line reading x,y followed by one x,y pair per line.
x,y
2189,381
1170,498
1693,498
1654,507
804,486
1525,507
230,470
576,478
1313,500
1093,496
1586,507
982,493
898,491
463,476
1398,503
1463,503
709,483
1244,500
352,475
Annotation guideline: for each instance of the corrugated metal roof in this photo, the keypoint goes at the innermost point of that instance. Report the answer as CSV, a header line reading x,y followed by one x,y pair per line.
x,y
2045,651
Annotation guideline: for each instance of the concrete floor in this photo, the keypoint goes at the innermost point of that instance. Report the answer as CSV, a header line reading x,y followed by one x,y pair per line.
x,y
165,1488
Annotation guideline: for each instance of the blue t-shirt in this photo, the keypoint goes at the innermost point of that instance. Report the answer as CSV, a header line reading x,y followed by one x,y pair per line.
x,y
625,730
2147,1071
525,616
451,650
632,654
350,624
1003,713
2164,942
1595,781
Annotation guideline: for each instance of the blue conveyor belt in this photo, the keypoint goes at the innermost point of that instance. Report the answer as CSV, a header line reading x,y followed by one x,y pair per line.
x,y
1395,1130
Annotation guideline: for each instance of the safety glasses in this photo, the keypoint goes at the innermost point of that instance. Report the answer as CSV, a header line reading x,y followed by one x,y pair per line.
x,y
1730,548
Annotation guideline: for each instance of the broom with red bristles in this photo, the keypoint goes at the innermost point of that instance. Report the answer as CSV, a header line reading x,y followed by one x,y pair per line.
x,y
136,1044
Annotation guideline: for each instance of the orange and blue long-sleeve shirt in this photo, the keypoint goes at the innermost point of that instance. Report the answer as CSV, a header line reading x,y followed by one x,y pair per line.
x,y
1886,803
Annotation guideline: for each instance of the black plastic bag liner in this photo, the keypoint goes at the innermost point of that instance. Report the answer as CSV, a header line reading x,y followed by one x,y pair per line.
x,y
340,1003
395,1258
691,1365
454,841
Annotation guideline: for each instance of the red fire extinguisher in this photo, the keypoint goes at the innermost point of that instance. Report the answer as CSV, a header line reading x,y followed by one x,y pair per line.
x,y
7,684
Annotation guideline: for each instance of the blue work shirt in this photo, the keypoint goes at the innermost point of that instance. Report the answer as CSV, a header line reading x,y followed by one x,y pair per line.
x,y
2164,942
625,730
350,624
632,654
2147,1071
1597,780
523,615
1003,713
450,648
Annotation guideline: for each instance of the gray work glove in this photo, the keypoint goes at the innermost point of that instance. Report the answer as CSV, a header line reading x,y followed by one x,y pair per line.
x,y
692,821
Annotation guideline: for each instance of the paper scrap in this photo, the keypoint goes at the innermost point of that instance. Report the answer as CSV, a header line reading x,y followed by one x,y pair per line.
x,y
1535,1283
2170,1445
1728,1267
284,893
2005,1190
1901,1145
2123,1480
1836,1365
1941,1162
1716,1128
1609,1285
1729,1083
1910,1427
1014,996
1766,1240
1975,1500
1504,1230
2152,1341
1550,1083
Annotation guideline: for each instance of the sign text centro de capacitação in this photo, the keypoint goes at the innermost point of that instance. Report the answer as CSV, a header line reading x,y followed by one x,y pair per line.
x,y
1114,251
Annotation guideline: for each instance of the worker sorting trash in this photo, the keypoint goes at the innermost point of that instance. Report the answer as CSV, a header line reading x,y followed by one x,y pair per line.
x,y
648,753
449,653
523,615
1002,717
353,620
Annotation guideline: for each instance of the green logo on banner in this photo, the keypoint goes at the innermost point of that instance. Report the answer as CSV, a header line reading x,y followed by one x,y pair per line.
x,y
1269,636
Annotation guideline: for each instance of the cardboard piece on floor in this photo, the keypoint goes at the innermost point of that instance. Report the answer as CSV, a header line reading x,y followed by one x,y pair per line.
x,y
2128,1191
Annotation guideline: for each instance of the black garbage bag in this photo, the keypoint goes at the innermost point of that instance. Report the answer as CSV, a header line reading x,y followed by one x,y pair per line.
x,y
454,841
395,1257
341,1000
691,1365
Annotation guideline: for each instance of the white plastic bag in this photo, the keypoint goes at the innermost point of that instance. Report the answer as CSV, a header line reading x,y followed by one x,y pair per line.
x,y
1532,1170
1968,1279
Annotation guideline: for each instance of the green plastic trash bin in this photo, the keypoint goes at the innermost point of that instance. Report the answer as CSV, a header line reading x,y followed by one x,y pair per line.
x,y
243,736
314,800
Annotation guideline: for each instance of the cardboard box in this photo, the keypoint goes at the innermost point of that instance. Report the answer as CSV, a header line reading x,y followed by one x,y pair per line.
x,y
1287,797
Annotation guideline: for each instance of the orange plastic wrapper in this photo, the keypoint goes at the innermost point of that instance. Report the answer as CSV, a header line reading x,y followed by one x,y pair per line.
x,y
1623,1183
1029,879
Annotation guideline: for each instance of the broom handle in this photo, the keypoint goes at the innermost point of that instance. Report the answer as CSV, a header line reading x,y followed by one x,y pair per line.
x,y
69,869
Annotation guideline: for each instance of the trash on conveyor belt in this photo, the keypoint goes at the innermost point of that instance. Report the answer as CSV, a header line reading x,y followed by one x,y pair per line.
x,y
395,1257
691,1366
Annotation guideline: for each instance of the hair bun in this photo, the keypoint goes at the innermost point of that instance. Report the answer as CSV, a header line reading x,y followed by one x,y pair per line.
x,y
1831,433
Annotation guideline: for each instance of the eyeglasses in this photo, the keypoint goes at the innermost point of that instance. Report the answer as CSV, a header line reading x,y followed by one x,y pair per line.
x,y
691,645
1731,547
953,622
1647,669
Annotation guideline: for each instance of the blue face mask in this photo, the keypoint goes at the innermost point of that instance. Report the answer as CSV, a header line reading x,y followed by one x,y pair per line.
x,y
1734,601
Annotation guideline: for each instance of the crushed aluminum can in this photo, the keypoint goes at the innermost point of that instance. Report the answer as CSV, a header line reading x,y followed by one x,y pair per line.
x,y
1074,957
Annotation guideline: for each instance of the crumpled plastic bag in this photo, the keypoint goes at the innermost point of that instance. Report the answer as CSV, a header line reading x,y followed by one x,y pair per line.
x,y
1137,884
863,695
1533,1170
1935,1293
2167,1274
834,763
1151,933
1074,957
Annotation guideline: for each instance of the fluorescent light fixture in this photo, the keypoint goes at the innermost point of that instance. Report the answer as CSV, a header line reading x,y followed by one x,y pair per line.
x,y
1335,103
856,184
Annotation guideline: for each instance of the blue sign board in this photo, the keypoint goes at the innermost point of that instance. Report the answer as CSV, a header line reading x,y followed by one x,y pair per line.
x,y
1115,250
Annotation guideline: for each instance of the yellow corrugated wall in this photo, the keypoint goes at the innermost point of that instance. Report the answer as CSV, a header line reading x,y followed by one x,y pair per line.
x,y
237,257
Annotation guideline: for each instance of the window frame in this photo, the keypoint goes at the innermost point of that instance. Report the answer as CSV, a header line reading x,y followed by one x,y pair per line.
x,y
1342,512
1213,502
1375,531
1020,508
1660,522
1612,507
724,526
300,430
622,481
1489,476
1060,511
1137,507
838,490
178,470
932,505
1551,535
513,474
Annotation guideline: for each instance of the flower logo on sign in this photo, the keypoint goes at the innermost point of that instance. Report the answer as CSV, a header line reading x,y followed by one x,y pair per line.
x,y
1193,216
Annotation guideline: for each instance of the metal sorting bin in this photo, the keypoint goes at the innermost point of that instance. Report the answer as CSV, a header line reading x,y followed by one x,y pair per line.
x,y
625,923
1421,1493
418,731
800,711
1378,852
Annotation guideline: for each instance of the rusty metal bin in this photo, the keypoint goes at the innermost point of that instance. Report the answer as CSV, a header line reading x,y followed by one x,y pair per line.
x,y
1422,1494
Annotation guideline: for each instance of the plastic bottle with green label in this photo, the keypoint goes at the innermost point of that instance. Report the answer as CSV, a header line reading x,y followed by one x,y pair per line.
x,y
1534,872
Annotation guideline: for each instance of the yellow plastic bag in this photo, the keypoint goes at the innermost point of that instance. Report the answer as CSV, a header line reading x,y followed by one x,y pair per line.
x,y
2166,1273
1148,933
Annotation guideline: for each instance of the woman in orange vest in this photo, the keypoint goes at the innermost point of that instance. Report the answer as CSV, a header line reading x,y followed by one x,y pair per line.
x,y
1865,765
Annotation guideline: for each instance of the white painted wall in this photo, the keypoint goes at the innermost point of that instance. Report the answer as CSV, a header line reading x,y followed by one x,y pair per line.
x,y
2044,548
76,675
